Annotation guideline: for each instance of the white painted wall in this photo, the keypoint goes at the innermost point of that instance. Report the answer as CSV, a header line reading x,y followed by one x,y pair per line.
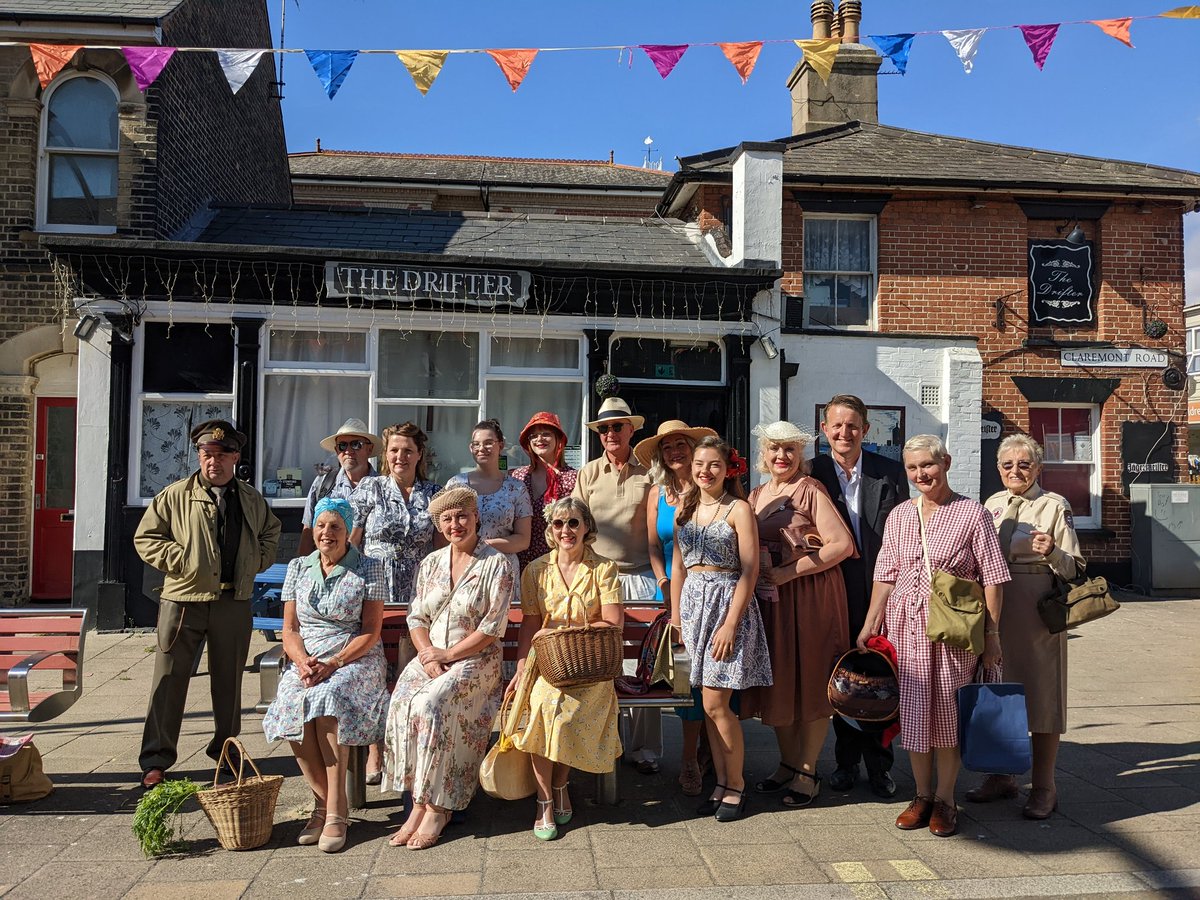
x,y
91,440
757,206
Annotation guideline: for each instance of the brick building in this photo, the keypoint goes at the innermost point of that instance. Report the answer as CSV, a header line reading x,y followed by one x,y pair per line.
x,y
89,154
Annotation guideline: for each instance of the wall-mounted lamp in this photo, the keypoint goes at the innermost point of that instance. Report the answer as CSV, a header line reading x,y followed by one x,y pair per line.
x,y
768,346
86,326
1077,238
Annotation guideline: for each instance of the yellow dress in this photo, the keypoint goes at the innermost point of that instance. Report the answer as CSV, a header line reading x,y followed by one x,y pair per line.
x,y
576,726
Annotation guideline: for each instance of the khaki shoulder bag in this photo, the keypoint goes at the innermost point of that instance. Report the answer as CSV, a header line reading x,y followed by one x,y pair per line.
x,y
955,613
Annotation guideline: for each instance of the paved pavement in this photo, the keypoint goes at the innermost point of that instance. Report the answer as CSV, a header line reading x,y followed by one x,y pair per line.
x,y
1127,827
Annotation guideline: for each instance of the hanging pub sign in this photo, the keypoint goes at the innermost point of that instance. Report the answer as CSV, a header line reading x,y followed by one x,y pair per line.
x,y
469,287
1060,283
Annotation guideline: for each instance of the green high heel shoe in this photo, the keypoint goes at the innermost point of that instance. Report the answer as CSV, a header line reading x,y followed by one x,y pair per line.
x,y
544,832
561,815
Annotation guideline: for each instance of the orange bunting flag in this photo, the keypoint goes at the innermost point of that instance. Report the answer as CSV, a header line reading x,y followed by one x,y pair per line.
x,y
820,54
514,64
48,59
1182,12
423,66
1116,28
743,55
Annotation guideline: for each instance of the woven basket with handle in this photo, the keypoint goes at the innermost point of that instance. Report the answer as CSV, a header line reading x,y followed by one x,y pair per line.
x,y
242,812
576,655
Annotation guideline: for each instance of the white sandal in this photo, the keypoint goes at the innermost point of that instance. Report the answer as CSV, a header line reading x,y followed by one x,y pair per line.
x,y
334,844
312,831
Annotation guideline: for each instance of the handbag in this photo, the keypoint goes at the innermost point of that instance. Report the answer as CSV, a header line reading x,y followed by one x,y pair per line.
x,y
656,659
955,615
22,778
506,773
1073,603
801,539
993,728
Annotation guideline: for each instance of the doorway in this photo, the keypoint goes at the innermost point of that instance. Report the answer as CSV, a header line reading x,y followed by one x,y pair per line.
x,y
53,499
697,406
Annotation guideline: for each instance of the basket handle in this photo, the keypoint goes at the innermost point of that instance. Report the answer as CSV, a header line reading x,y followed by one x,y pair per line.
x,y
571,595
243,757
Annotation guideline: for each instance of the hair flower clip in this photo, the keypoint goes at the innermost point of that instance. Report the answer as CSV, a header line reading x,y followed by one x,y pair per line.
x,y
737,466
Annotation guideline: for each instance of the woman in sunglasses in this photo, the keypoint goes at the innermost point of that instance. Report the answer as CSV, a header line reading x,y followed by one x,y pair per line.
x,y
575,728
1038,538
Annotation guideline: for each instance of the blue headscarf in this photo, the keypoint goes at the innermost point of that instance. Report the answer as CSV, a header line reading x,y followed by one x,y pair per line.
x,y
341,507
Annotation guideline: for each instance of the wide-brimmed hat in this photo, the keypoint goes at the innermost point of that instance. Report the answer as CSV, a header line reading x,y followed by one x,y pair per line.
x,y
220,433
614,409
864,687
644,450
544,420
783,433
351,427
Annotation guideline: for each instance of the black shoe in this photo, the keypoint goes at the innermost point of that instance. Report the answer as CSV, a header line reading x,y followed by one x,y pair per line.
x,y
843,779
882,785
731,812
709,806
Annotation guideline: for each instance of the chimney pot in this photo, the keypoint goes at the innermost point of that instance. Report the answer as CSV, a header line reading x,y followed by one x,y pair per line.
x,y
835,29
850,13
822,18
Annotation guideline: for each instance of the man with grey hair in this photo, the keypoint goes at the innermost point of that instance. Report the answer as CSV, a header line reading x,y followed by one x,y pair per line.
x,y
354,446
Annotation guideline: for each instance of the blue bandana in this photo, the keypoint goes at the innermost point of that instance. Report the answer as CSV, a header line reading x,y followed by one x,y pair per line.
x,y
341,507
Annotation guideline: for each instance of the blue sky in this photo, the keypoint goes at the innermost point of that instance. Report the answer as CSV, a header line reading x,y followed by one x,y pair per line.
x,y
1095,96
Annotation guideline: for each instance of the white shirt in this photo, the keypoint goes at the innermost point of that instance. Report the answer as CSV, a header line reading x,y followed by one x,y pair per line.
x,y
852,493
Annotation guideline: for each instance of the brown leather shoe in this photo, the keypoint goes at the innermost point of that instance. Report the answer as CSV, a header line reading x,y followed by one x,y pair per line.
x,y
152,777
994,787
944,820
1041,803
916,815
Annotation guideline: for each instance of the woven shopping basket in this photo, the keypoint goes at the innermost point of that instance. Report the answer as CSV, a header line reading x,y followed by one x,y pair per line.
x,y
242,812
575,655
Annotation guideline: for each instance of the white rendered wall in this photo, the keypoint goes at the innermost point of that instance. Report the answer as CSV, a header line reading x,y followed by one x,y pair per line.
x,y
91,440
757,207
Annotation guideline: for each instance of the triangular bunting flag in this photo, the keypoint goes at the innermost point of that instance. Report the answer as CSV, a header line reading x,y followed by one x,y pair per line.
x,y
820,54
48,59
423,66
1182,12
1040,39
238,66
743,55
332,67
965,44
1117,28
895,47
664,56
146,63
514,64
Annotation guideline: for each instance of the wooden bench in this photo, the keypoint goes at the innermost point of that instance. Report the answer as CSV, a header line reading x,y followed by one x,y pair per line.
x,y
399,651
46,640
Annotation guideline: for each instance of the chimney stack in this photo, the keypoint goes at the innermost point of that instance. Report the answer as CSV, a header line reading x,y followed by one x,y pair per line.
x,y
852,93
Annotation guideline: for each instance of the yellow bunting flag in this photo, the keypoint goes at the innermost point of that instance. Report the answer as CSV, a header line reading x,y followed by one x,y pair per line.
x,y
743,55
514,64
1182,12
48,59
423,66
820,54
1116,28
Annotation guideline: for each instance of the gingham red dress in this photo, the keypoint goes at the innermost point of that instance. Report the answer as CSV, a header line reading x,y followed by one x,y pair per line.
x,y
962,540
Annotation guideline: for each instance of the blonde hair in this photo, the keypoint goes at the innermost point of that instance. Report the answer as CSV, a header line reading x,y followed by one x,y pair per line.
x,y
930,442
1021,442
660,474
566,506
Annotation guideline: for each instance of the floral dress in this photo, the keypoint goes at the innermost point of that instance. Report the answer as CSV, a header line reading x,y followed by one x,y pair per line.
x,y
395,530
499,510
438,728
329,608
537,534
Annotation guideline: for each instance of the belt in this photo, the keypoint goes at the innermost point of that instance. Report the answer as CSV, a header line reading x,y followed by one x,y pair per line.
x,y
228,586
1031,569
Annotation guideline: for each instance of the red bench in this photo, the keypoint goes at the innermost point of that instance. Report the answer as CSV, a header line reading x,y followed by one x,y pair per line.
x,y
399,651
47,640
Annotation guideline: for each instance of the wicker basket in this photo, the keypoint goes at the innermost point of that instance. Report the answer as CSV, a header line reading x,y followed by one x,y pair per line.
x,y
864,687
242,812
576,655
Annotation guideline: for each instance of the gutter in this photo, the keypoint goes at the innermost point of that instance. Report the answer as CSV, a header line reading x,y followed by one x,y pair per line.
x,y
90,30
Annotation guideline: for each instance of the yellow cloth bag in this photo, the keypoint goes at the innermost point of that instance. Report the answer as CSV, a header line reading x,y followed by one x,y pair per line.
x,y
506,773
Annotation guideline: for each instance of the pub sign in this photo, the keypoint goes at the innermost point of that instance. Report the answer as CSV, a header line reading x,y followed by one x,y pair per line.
x,y
1061,291
485,288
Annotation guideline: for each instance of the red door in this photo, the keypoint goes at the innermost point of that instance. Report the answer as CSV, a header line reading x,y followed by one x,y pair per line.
x,y
54,498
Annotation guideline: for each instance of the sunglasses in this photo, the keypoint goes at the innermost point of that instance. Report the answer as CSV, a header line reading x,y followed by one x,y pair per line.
x,y
615,428
1023,465
343,446
558,524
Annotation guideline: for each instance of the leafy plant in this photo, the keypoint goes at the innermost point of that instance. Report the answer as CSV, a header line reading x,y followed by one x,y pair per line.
x,y
153,825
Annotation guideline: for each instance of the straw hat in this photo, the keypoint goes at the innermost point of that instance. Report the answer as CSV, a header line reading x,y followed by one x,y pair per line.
x,y
457,497
350,428
614,409
644,450
783,433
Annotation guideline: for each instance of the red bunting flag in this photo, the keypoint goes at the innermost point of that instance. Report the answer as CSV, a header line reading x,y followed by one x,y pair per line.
x,y
48,59
514,64
664,56
743,55
1040,39
1117,28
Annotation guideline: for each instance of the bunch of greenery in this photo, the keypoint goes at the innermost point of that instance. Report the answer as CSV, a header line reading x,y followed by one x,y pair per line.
x,y
156,819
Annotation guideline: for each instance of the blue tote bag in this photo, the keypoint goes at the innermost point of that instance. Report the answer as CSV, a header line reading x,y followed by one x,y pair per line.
x,y
993,728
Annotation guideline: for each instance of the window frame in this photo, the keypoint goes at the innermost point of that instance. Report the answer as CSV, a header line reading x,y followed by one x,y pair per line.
x,y
42,198
693,339
1096,483
873,292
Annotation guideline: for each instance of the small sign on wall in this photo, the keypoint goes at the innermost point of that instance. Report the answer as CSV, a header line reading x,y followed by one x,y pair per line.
x,y
1060,283
1147,453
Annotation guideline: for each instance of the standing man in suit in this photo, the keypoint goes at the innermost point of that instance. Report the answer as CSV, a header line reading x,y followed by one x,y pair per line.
x,y
865,487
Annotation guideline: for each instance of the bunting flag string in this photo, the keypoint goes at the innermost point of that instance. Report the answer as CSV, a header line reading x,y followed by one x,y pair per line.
x,y
332,66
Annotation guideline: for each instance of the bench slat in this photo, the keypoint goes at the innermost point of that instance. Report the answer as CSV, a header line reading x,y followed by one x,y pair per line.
x,y
35,624
35,697
28,644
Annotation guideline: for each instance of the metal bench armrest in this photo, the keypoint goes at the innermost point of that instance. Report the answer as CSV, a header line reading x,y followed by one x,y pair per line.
x,y
270,664
18,677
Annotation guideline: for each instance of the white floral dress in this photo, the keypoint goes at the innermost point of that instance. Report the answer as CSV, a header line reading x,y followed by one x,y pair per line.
x,y
329,609
395,530
438,728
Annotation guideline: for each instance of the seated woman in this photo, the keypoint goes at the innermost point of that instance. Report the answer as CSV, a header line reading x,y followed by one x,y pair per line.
x,y
333,694
575,727
442,708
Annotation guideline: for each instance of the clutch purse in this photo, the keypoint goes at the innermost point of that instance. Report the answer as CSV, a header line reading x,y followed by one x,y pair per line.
x,y
801,539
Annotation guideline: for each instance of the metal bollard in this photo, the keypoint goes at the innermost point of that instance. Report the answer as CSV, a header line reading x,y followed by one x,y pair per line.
x,y
356,777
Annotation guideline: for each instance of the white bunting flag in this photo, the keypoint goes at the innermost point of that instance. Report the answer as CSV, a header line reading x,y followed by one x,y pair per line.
x,y
965,43
238,66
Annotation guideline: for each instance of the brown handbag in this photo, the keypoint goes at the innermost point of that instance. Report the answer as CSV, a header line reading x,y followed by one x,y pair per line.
x,y
22,778
1073,603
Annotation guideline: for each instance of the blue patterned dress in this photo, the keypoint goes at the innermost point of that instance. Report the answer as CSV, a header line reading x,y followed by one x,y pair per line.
x,y
705,603
396,531
329,609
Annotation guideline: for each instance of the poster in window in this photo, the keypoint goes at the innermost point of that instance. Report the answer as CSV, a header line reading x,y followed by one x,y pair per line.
x,y
885,436
1061,291
1147,453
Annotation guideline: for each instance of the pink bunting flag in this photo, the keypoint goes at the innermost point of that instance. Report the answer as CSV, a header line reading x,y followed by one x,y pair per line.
x,y
1116,28
664,56
1040,39
743,55
49,59
514,64
147,63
